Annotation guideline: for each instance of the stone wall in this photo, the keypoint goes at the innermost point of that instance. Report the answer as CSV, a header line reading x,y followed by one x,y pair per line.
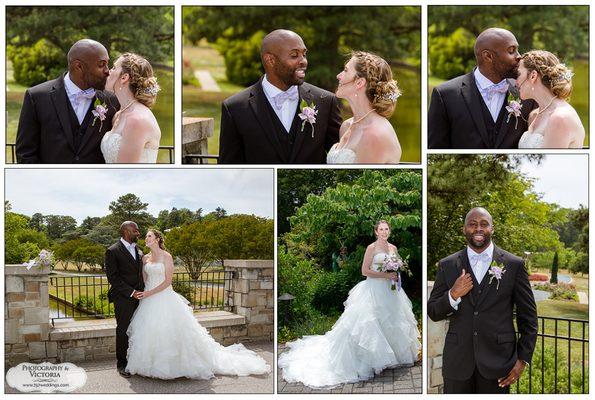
x,y
26,316
252,296
195,135
29,335
436,334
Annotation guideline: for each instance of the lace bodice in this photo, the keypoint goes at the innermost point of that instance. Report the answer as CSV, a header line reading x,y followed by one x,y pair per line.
x,y
155,274
531,140
110,147
340,156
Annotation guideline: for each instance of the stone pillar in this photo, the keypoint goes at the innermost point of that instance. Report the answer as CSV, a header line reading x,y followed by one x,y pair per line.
x,y
252,296
195,135
436,335
26,316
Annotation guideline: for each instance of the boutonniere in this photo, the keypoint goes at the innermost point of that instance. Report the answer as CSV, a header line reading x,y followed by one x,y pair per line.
x,y
100,111
496,271
514,108
308,114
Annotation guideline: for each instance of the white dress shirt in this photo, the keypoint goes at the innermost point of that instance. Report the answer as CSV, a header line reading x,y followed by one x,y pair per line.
x,y
494,101
79,105
287,111
131,247
480,263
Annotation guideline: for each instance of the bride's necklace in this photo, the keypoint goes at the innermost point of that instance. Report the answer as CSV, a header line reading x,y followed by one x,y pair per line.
x,y
347,135
128,105
119,113
546,107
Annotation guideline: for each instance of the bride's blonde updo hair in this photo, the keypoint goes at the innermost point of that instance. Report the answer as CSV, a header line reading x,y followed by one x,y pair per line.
x,y
143,84
159,237
554,75
382,91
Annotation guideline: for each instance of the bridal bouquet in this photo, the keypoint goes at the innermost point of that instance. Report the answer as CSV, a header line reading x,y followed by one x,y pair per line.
x,y
44,259
394,263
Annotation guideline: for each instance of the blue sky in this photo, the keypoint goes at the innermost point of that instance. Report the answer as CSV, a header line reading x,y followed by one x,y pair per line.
x,y
88,192
561,178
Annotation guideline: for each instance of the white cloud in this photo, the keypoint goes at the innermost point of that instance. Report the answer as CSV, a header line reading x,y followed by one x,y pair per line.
x,y
88,192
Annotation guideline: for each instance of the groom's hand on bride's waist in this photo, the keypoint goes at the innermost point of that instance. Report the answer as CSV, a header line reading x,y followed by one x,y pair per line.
x,y
462,286
513,375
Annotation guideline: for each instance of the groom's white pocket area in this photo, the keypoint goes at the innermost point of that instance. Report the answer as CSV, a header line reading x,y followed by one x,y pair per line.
x,y
46,377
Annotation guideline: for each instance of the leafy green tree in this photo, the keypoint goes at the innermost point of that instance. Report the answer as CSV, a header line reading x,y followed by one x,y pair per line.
x,y
88,224
393,33
457,183
81,252
190,243
129,207
21,243
103,234
563,30
177,217
37,222
40,37
58,225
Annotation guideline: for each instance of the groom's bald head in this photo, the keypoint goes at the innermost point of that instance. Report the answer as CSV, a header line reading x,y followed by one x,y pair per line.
x,y
88,64
497,54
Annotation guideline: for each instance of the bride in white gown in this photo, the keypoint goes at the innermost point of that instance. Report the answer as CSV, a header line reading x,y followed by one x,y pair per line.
x,y
166,341
367,84
135,133
377,330
555,123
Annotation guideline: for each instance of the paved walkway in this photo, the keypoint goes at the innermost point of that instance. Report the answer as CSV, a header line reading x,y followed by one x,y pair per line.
x,y
583,298
102,377
207,83
397,380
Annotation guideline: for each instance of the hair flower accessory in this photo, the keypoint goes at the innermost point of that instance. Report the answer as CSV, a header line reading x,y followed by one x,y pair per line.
x,y
152,90
566,76
392,97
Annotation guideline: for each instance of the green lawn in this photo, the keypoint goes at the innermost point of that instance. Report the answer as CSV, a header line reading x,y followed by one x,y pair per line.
x,y
163,109
579,99
197,103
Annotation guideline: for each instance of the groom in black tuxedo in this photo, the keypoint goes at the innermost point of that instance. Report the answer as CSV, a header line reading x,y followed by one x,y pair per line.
x,y
482,353
56,125
260,125
123,267
469,111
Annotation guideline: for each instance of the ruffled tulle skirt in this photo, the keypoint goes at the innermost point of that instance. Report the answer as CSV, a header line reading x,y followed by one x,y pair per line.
x,y
377,330
166,342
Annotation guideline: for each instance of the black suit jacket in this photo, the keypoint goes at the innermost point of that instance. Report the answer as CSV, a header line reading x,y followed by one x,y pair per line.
x,y
124,273
248,134
45,133
481,331
455,119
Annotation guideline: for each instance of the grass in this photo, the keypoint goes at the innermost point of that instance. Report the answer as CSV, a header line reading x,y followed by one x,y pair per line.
x,y
198,103
579,99
163,109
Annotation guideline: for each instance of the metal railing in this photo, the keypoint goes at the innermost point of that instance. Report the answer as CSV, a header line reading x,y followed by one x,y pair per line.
x,y
199,158
562,343
11,156
85,296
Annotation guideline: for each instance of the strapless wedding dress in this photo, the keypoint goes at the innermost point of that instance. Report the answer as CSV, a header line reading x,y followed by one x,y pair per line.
x,y
166,341
340,156
531,140
377,330
110,147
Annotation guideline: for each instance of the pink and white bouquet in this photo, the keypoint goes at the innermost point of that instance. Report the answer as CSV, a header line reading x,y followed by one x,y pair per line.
x,y
394,263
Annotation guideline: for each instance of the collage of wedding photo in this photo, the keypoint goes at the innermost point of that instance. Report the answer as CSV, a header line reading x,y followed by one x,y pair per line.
x,y
403,209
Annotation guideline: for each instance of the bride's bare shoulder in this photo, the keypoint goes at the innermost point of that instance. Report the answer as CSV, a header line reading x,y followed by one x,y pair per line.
x,y
344,126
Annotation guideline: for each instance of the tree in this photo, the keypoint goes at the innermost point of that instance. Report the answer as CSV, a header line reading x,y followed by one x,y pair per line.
x,y
457,183
190,244
130,208
562,30
177,217
81,252
21,243
150,33
554,277
103,234
88,224
37,222
58,225
332,31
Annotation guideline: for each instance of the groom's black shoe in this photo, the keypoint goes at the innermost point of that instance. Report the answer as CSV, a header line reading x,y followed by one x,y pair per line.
x,y
124,373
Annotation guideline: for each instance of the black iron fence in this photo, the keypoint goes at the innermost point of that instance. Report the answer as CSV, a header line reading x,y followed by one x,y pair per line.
x,y
11,157
199,158
561,359
85,296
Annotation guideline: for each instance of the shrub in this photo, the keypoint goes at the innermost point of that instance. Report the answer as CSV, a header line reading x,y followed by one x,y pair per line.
x,y
36,64
242,58
183,289
451,56
538,277
559,291
93,305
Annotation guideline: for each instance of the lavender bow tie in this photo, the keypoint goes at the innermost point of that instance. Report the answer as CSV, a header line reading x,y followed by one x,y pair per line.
x,y
290,95
501,87
476,258
84,94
